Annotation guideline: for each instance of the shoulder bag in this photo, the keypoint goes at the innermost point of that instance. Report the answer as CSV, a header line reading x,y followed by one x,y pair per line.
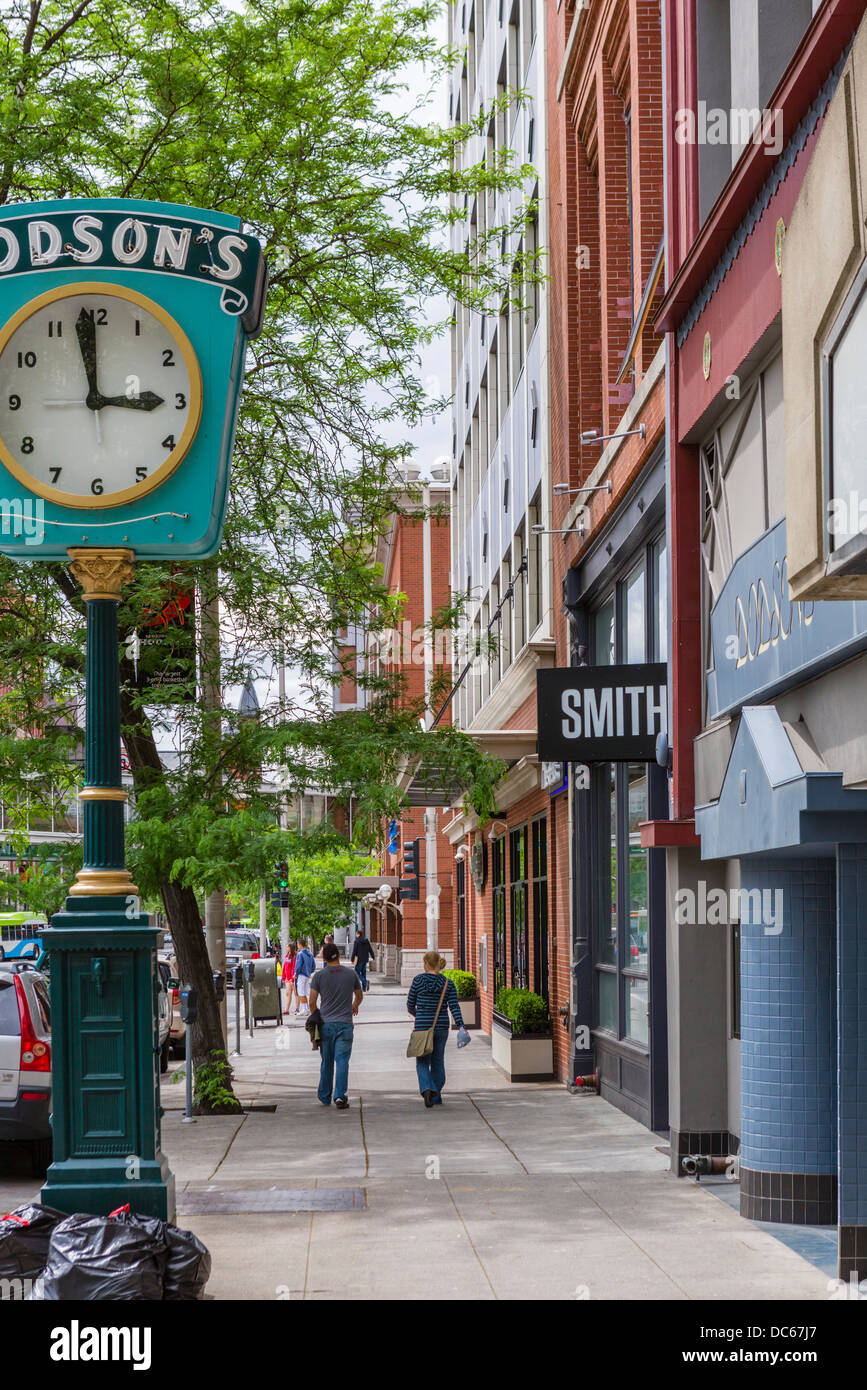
x,y
421,1040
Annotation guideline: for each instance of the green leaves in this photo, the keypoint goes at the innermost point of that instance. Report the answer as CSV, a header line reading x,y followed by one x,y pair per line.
x,y
308,121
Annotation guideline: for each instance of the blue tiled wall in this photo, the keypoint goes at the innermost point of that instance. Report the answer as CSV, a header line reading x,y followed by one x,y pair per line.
x,y
788,1019
852,1040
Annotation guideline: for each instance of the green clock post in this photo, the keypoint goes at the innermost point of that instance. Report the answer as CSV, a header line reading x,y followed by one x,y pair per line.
x,y
123,331
106,1114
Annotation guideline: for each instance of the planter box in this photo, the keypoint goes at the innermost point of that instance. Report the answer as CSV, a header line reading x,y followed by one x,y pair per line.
x,y
525,1057
471,1012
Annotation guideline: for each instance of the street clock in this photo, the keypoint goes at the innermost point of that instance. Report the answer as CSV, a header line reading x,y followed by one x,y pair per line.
x,y
100,395
124,327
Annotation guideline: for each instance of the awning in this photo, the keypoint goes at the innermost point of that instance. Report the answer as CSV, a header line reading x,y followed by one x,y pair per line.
x,y
368,883
769,802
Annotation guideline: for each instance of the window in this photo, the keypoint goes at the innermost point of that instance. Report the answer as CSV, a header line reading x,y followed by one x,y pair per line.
x,y
630,626
461,899
498,896
539,833
518,903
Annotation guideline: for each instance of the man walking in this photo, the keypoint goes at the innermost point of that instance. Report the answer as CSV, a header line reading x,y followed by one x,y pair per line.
x,y
362,954
305,964
337,991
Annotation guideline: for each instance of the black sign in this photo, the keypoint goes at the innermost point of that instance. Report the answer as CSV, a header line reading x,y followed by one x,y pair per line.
x,y
601,714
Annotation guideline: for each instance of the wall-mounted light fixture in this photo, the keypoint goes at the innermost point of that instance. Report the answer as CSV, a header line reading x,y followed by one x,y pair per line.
x,y
593,437
563,531
494,832
461,852
562,488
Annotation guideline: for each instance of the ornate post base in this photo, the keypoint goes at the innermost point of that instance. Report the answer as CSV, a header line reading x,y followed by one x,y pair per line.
x,y
105,1078
105,1071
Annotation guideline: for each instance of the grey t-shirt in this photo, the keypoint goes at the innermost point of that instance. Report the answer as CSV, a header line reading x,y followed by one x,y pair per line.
x,y
335,985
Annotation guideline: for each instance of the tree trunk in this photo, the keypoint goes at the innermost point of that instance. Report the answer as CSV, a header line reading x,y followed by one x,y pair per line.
x,y
185,922
194,968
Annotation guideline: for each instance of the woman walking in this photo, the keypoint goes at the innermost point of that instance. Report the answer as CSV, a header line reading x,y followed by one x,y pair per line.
x,y
287,977
426,992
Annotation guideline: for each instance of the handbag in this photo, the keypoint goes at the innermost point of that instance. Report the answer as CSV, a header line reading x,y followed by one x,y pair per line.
x,y
421,1040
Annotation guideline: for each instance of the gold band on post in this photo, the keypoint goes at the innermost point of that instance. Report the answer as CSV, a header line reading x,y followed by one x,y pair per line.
x,y
102,883
101,573
102,794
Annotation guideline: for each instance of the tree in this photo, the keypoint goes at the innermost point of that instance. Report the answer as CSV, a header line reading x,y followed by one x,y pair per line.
x,y
294,115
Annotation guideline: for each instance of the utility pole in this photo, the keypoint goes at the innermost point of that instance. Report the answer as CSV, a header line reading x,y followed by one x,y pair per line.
x,y
432,887
209,661
281,689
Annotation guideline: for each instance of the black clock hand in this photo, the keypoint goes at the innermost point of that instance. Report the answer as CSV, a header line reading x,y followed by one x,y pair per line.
x,y
85,328
148,400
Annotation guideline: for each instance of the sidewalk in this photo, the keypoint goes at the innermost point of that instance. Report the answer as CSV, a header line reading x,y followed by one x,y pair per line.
x,y
507,1191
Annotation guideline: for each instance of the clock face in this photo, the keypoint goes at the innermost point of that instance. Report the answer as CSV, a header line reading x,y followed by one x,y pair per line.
x,y
100,395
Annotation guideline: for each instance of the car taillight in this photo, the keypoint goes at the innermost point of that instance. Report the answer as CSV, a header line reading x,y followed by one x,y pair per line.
x,y
35,1054
176,996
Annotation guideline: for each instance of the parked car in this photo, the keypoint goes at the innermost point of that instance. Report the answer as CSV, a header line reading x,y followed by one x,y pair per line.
x,y
25,1060
164,1011
240,946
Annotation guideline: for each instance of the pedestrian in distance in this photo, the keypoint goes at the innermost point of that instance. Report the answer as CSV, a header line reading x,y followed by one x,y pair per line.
x,y
429,1000
336,991
305,964
362,955
287,976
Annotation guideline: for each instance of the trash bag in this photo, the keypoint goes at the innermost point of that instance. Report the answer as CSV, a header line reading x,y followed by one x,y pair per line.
x,y
188,1265
116,1258
24,1237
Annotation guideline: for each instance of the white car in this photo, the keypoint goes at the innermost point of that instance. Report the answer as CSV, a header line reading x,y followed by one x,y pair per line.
x,y
25,1060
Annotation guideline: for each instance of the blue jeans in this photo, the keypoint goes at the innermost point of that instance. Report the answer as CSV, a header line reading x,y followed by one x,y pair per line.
x,y
431,1070
335,1047
361,972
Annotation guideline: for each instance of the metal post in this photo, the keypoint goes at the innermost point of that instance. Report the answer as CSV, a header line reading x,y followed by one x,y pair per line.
x,y
189,1117
103,963
432,887
237,994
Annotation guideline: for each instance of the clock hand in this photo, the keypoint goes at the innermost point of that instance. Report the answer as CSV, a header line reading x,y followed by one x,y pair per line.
x,y
85,328
148,400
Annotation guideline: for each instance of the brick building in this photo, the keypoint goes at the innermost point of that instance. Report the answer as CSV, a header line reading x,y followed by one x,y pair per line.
x,y
607,363
414,555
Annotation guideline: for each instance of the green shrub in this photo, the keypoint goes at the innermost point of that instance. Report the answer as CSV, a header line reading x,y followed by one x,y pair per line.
x,y
465,983
527,1011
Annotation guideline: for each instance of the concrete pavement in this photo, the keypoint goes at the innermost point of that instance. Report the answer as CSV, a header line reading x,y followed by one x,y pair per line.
x,y
507,1191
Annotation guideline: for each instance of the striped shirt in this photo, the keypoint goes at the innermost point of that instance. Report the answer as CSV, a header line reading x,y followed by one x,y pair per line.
x,y
424,995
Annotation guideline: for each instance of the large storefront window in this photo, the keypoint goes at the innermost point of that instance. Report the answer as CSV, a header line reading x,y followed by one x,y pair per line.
x,y
628,627
498,896
518,897
539,832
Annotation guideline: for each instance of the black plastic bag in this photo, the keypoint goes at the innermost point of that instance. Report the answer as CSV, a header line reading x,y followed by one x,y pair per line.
x,y
188,1266
24,1237
118,1257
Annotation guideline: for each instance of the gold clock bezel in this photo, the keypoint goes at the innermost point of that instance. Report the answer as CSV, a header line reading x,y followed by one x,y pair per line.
x,y
181,449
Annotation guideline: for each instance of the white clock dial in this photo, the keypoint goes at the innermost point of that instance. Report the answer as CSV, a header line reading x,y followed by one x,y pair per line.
x,y
100,395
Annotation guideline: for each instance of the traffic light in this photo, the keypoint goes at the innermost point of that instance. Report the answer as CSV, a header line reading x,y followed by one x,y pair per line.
x,y
409,887
282,876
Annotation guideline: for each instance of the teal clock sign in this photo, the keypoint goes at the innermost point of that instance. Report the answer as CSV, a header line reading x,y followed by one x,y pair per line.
x,y
123,330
